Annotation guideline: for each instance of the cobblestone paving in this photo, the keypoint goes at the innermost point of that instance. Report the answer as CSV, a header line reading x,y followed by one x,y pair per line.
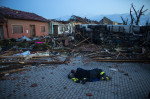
x,y
129,81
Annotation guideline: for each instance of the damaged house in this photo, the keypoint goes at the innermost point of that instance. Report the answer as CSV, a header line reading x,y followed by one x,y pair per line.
x,y
60,27
125,35
15,24
107,21
76,20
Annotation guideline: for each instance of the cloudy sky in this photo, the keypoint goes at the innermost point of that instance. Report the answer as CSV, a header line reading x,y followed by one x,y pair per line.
x,y
57,8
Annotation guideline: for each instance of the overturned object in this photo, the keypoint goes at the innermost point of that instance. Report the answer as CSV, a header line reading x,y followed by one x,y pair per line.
x,y
83,76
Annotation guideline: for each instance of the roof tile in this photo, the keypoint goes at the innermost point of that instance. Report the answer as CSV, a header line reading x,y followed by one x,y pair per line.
x,y
16,14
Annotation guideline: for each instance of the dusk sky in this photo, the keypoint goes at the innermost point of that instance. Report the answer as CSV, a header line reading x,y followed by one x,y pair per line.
x,y
57,8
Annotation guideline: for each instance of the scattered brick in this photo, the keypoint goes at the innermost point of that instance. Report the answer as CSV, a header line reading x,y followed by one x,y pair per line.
x,y
121,71
126,74
34,85
89,94
65,87
14,78
25,95
43,77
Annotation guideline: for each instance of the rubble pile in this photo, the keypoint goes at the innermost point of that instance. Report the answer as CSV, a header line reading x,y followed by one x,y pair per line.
x,y
121,42
92,42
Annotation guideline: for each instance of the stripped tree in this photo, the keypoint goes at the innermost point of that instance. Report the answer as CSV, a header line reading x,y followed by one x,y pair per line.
x,y
131,16
125,22
138,13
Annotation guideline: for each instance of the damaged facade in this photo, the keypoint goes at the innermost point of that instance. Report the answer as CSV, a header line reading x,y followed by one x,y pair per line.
x,y
118,34
57,27
76,20
60,27
15,24
106,21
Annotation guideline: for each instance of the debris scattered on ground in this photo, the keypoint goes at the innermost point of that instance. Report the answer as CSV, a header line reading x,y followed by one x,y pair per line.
x,y
34,85
52,73
113,69
106,47
25,95
65,87
89,94
126,74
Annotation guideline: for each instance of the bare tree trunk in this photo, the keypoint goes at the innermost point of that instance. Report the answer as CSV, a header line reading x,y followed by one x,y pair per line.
x,y
138,14
132,18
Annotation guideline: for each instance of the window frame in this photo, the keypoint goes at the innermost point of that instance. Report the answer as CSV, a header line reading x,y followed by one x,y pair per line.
x,y
44,28
17,25
61,28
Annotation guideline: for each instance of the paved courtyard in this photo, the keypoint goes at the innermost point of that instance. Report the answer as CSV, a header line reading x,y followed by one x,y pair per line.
x,y
129,81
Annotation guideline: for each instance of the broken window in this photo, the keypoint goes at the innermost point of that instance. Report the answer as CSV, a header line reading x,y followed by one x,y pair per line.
x,y
61,28
17,29
66,27
42,28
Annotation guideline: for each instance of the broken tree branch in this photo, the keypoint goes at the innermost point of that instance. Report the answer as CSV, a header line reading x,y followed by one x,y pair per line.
x,y
138,13
124,21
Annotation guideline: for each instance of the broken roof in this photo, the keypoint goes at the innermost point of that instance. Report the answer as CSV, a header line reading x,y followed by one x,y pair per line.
x,y
106,20
79,19
82,20
16,14
2,19
59,21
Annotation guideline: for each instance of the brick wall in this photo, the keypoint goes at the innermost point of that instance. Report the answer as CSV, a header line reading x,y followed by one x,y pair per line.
x,y
26,28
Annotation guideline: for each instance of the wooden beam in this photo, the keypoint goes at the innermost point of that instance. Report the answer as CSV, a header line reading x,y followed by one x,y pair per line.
x,y
92,54
2,57
84,38
13,71
118,60
101,56
82,41
33,62
11,67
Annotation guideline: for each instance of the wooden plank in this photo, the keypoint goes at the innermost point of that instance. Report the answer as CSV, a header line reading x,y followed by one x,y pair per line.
x,y
83,41
92,54
11,67
13,71
33,62
2,57
118,60
10,53
101,56
122,55
84,38
98,58
6,51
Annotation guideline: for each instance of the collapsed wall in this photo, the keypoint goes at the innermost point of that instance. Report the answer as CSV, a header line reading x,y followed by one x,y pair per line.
x,y
124,35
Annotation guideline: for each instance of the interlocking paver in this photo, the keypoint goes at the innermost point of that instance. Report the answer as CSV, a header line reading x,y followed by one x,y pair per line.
x,y
130,81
